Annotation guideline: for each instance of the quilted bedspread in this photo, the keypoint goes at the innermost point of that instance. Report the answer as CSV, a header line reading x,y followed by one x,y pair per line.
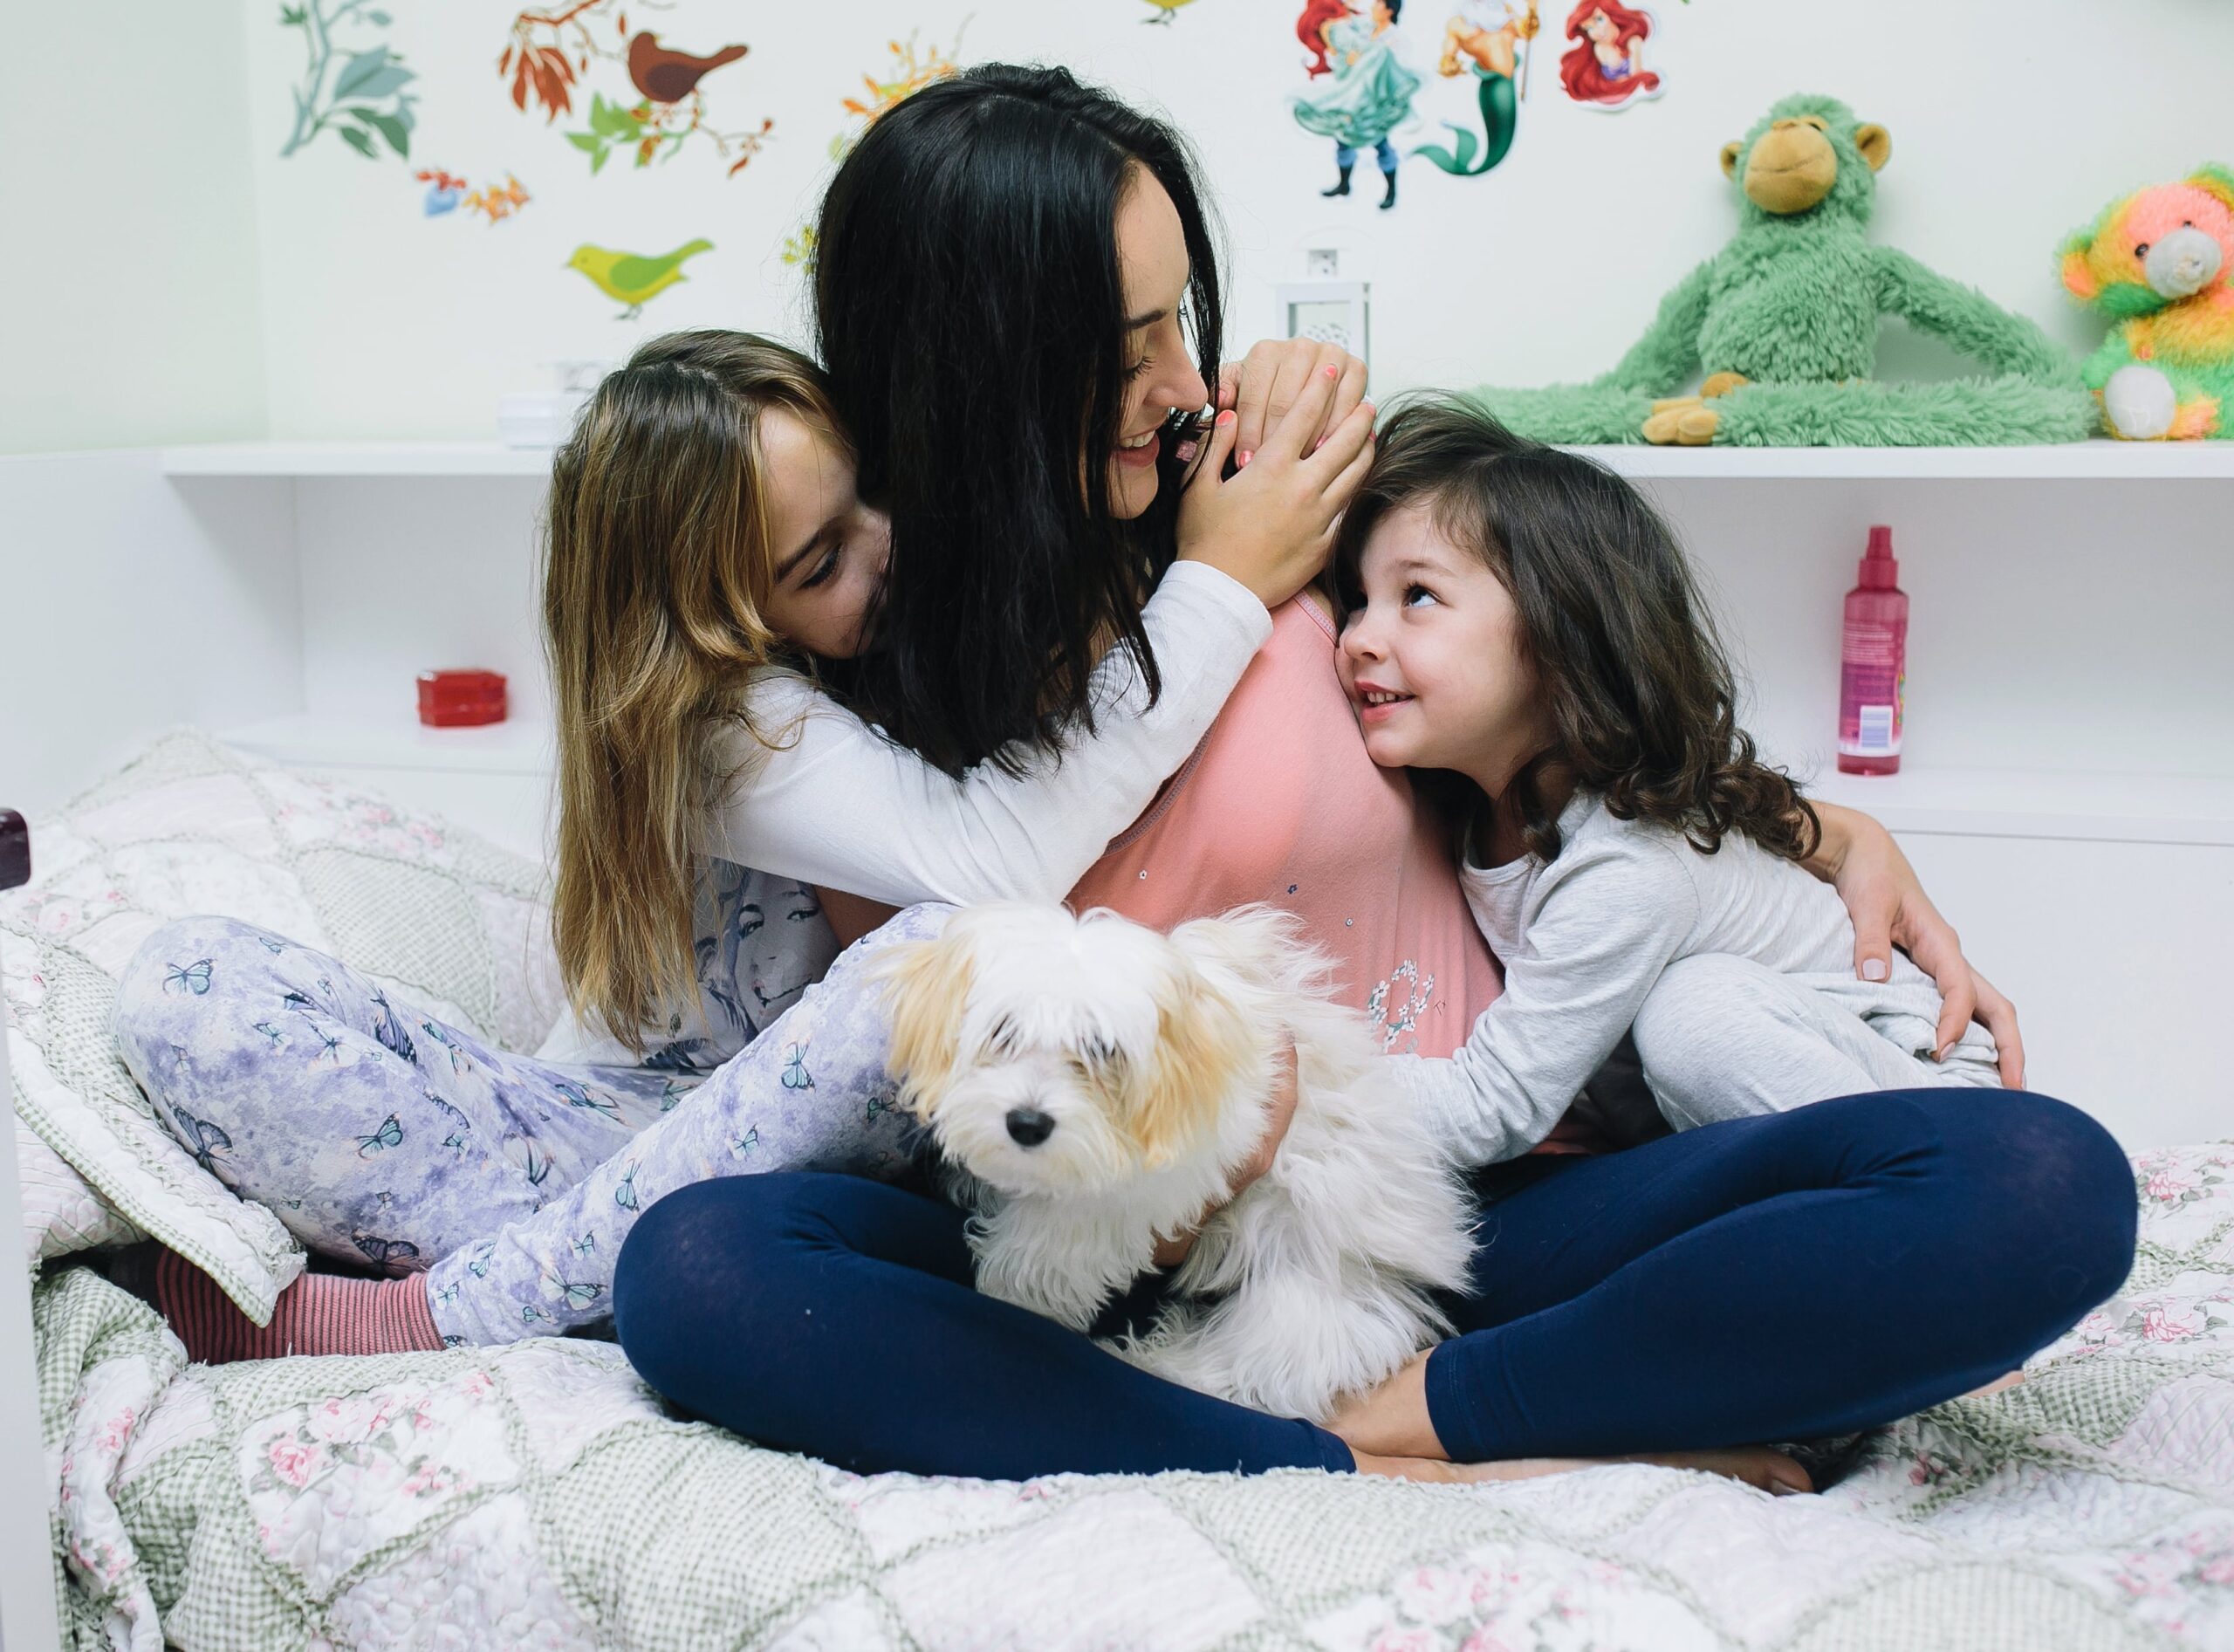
x,y
536,1496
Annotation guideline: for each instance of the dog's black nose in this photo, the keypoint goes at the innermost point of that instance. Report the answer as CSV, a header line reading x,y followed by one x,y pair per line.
x,y
1029,1127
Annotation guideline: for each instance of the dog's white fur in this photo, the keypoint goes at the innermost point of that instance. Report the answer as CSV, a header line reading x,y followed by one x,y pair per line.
x,y
1155,1058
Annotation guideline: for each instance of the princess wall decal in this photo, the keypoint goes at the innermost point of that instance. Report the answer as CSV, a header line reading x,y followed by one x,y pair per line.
x,y
1366,95
1311,29
1605,69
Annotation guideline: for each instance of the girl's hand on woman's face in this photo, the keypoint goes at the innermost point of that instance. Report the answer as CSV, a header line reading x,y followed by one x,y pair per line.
x,y
1272,526
1265,384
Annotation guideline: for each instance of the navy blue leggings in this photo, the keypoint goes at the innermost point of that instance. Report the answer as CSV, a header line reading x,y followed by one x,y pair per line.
x,y
1785,1278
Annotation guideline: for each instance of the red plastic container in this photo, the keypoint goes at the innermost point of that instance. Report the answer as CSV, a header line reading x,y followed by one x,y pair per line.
x,y
461,699
1874,664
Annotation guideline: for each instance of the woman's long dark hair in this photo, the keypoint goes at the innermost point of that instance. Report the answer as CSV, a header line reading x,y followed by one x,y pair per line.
x,y
1643,703
971,313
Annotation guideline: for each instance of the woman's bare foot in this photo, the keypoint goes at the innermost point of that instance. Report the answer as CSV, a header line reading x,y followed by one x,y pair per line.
x,y
1388,1432
1757,1466
1435,1471
1391,1421
1996,1386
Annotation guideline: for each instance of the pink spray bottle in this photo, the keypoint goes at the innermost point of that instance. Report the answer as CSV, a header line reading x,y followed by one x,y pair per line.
x,y
1874,664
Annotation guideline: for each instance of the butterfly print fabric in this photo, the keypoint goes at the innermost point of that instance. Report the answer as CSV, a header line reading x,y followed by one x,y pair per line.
x,y
391,1141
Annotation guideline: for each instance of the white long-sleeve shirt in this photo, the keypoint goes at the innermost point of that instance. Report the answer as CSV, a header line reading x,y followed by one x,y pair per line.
x,y
838,805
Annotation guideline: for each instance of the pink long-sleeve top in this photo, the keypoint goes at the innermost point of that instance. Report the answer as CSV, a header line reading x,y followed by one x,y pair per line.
x,y
1280,804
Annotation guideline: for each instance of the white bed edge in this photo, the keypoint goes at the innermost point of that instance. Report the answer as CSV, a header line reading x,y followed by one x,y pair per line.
x,y
28,1622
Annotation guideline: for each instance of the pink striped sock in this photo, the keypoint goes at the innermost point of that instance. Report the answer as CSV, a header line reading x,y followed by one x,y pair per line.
x,y
319,1314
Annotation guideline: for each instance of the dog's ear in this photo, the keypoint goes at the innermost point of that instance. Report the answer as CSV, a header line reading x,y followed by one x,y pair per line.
x,y
1202,1044
927,987
1257,948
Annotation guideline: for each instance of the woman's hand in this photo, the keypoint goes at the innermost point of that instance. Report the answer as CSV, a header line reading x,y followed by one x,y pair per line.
x,y
1859,858
1271,378
1171,1252
1271,526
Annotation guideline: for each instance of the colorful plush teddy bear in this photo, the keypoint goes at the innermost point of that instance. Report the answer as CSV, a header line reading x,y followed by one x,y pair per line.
x,y
2161,262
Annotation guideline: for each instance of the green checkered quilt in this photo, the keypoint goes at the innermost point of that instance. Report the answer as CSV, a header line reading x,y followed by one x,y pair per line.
x,y
537,1496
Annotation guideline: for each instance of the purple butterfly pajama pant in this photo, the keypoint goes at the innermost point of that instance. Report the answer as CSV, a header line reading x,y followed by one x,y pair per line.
x,y
377,1132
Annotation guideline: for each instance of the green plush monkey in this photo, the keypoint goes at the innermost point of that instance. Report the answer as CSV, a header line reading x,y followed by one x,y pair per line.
x,y
1783,322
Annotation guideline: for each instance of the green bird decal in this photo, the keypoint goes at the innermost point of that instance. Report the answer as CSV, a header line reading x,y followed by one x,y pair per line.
x,y
630,277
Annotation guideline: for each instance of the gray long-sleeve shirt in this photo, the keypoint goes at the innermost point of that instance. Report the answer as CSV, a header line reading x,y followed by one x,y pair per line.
x,y
1583,940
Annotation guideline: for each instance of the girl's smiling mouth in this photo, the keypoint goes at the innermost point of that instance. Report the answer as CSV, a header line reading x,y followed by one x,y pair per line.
x,y
1377,704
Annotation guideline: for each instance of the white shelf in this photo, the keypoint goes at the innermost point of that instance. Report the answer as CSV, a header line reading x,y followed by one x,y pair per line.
x,y
514,747
355,459
2010,803
1972,803
2098,460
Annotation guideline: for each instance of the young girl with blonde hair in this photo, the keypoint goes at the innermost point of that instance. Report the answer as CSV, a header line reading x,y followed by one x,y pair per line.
x,y
707,556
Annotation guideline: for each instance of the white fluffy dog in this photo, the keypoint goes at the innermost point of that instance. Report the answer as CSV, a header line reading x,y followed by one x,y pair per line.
x,y
1098,1085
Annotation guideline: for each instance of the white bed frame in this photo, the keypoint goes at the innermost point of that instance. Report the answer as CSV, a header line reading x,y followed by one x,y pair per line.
x,y
28,1622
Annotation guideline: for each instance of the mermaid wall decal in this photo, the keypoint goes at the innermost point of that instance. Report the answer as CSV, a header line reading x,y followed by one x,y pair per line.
x,y
1489,40
1605,68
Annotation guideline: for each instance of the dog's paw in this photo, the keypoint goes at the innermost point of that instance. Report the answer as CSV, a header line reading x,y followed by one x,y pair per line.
x,y
1009,1276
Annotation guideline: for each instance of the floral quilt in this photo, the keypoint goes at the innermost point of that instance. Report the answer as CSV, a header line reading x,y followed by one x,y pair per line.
x,y
537,1496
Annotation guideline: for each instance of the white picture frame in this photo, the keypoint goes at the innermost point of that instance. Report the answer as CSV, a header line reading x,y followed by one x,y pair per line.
x,y
1338,312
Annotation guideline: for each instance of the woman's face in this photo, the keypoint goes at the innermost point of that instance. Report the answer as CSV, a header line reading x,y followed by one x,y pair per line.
x,y
830,549
1601,29
1160,371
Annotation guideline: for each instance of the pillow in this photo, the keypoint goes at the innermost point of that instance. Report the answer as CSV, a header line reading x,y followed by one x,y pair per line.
x,y
443,917
61,1211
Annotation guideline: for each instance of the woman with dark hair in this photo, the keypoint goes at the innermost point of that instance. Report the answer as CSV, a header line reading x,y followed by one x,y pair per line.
x,y
1012,269
1019,433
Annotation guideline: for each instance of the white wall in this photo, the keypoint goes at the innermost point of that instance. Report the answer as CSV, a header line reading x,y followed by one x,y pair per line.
x,y
129,291
2115,957
2007,130
184,282
127,606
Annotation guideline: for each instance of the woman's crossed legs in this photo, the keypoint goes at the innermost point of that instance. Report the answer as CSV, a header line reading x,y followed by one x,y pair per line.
x,y
1794,1276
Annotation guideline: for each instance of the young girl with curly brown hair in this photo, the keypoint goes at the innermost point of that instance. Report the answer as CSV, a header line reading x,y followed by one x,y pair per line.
x,y
1520,618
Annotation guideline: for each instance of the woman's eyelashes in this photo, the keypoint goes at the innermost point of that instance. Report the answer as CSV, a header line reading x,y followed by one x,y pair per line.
x,y
826,566
1414,592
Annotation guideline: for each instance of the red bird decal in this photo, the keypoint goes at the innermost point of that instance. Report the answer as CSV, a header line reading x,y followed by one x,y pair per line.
x,y
670,77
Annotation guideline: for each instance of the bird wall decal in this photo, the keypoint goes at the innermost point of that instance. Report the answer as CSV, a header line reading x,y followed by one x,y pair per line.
x,y
567,48
667,76
632,278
